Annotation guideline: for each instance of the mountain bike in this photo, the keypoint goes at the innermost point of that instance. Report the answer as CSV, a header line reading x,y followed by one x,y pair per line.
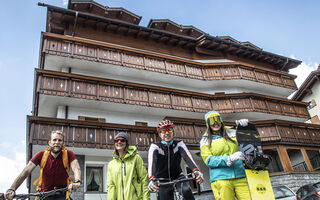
x,y
176,192
40,195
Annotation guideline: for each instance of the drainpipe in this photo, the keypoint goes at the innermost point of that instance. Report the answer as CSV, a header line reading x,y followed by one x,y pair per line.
x,y
284,65
75,24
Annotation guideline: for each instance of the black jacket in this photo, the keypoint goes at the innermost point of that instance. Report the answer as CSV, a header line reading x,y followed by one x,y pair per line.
x,y
164,160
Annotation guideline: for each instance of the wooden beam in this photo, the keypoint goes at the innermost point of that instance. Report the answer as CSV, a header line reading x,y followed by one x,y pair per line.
x,y
284,158
306,159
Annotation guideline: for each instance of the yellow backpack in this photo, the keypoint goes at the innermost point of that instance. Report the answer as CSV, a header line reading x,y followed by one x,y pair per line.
x,y
43,163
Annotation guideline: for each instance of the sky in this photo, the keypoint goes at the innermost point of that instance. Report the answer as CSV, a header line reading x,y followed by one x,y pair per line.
x,y
288,27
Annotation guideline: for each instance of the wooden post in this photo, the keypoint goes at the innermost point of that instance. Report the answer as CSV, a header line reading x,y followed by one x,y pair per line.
x,y
306,159
285,160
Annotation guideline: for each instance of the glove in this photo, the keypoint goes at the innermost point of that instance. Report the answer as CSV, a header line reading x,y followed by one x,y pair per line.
x,y
198,176
242,122
234,157
153,185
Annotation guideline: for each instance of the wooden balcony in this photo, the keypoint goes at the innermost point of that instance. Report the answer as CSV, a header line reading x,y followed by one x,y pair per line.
x,y
101,135
88,134
93,88
83,49
271,131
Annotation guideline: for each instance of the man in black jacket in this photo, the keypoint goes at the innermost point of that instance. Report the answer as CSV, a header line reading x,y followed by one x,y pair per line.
x,y
164,163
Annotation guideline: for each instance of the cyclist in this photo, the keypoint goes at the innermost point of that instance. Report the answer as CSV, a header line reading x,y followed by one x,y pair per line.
x,y
127,176
54,174
164,163
221,154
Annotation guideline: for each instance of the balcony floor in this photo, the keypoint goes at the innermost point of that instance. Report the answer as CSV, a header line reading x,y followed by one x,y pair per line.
x,y
117,72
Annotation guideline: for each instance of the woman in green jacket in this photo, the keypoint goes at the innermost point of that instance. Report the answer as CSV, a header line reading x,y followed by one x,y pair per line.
x,y
220,152
127,177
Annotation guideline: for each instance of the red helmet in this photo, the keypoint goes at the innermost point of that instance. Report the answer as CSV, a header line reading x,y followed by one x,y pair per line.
x,y
163,124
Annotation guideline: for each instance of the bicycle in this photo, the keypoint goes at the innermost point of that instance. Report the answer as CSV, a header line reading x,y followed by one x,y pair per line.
x,y
177,194
40,195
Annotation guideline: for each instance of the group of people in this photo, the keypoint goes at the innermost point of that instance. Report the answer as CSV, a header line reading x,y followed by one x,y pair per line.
x,y
128,179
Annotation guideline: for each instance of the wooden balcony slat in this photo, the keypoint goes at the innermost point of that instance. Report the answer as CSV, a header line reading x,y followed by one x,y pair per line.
x,y
81,49
78,86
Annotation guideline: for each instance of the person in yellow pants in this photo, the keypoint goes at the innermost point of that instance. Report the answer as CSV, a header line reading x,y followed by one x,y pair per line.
x,y
220,152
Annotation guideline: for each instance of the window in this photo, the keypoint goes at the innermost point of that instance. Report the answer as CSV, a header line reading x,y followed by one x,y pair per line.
x,y
91,119
314,157
275,165
297,160
94,179
141,123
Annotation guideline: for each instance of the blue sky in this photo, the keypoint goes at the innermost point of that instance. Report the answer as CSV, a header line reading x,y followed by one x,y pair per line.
x,y
289,27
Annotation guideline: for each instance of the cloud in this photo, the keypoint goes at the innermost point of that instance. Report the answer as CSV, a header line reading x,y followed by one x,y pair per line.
x,y
302,71
10,169
65,2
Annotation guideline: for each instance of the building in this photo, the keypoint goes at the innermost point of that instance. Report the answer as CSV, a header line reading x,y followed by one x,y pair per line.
x,y
309,92
100,73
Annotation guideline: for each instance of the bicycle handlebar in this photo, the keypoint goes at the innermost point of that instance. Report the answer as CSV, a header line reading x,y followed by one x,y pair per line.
x,y
40,194
175,181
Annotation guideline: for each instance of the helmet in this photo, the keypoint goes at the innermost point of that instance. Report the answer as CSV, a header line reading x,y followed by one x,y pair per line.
x,y
212,116
163,124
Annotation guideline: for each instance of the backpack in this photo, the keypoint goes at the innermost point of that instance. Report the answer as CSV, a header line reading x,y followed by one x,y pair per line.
x,y
43,164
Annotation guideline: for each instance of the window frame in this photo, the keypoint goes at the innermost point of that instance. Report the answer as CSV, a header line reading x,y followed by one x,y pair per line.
x,y
104,176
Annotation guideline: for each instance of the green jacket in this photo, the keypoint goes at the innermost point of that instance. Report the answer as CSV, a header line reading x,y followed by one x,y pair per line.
x,y
127,179
215,157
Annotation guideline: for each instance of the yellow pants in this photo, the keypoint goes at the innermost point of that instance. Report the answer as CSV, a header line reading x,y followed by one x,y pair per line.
x,y
231,188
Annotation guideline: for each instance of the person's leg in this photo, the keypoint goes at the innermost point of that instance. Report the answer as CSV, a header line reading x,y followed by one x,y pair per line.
x,y
165,193
223,190
242,189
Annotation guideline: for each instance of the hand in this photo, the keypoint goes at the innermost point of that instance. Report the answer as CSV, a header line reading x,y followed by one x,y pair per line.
x,y
198,176
153,185
234,157
73,187
242,122
9,194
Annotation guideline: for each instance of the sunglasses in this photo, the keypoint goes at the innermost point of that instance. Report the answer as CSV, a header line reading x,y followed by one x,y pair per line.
x,y
169,130
214,119
122,140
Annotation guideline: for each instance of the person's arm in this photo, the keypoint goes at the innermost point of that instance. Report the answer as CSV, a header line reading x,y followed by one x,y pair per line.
x,y
75,167
143,177
186,155
211,160
19,180
152,160
111,187
152,163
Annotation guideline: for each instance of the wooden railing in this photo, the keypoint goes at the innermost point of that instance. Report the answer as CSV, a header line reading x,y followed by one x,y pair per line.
x,y
106,53
101,135
88,134
274,131
85,87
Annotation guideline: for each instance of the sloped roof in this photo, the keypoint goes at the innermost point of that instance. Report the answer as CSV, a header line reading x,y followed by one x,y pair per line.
x,y
95,8
307,85
176,38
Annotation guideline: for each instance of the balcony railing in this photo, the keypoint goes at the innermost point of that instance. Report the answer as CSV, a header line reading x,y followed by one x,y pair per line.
x,y
106,53
85,87
88,134
271,131
101,135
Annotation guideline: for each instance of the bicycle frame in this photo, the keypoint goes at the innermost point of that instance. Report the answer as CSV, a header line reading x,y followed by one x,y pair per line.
x,y
177,194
